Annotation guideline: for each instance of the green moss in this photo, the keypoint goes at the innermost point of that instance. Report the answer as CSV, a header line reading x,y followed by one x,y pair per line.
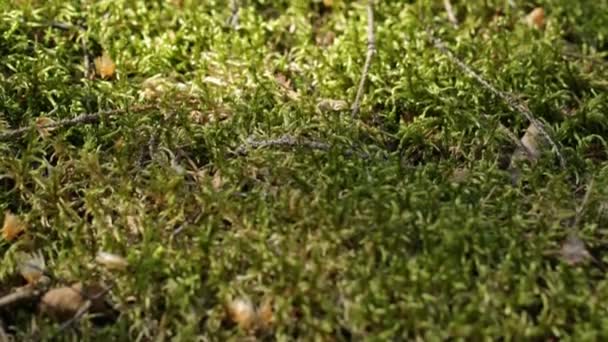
x,y
371,238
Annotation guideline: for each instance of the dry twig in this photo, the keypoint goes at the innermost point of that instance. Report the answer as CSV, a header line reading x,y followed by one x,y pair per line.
x,y
450,12
514,104
79,120
22,293
233,20
371,50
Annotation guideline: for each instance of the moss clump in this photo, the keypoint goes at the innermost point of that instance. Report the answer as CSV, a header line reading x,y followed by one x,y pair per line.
x,y
404,224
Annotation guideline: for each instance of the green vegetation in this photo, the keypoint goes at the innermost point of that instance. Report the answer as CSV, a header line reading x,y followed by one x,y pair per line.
x,y
403,223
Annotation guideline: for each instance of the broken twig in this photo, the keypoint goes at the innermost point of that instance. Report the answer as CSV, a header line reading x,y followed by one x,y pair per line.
x,y
514,104
78,120
233,20
371,50
22,293
450,12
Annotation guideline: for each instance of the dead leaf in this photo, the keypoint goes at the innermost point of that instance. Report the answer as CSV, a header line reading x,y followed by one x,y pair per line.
x,y
242,312
328,3
63,303
111,261
573,251
104,66
536,18
217,181
12,226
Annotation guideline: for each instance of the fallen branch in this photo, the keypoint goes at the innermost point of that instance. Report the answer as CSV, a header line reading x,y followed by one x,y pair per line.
x,y
514,104
371,50
79,120
450,12
233,20
22,293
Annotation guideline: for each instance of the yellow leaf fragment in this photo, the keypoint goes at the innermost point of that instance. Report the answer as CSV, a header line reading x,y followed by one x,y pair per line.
x,y
12,226
104,66
111,261
536,18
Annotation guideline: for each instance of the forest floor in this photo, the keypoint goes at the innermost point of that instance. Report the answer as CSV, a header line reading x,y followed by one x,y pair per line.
x,y
303,170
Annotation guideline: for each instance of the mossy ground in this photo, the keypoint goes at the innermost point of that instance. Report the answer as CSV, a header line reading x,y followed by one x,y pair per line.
x,y
382,243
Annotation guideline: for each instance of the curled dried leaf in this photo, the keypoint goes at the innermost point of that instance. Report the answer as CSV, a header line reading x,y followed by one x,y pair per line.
x,y
536,18
242,312
111,261
104,66
12,227
63,303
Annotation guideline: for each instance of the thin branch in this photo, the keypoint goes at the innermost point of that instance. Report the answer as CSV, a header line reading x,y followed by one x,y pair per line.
x,y
514,104
450,12
233,21
78,120
3,335
581,208
283,141
19,295
371,50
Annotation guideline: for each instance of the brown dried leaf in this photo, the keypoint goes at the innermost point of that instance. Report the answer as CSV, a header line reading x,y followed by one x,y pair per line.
x,y
104,66
573,251
242,312
265,314
63,303
536,18
12,226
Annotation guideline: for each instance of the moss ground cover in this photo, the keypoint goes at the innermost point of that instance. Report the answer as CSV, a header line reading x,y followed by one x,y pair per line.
x,y
229,173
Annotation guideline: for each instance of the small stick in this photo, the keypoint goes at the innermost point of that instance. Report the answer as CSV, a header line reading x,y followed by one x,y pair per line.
x,y
581,208
3,335
78,120
234,16
20,294
450,12
371,50
507,98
